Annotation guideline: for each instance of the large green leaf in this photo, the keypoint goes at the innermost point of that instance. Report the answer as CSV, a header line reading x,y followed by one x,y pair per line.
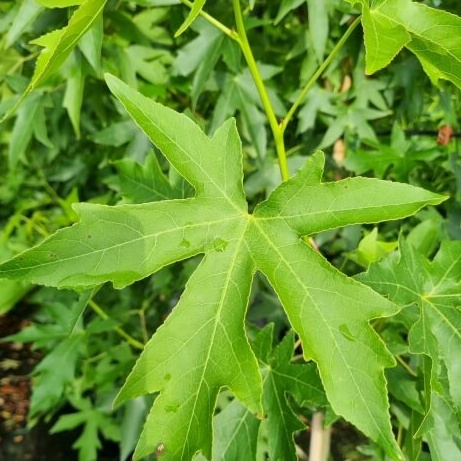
x,y
202,346
433,35
435,287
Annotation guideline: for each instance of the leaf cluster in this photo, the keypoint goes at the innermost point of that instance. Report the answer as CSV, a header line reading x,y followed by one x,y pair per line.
x,y
269,326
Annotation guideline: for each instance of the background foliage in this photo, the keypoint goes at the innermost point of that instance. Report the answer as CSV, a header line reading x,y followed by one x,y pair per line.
x,y
69,141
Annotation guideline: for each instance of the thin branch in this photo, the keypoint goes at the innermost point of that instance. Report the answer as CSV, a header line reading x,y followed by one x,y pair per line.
x,y
319,73
100,311
219,25
406,366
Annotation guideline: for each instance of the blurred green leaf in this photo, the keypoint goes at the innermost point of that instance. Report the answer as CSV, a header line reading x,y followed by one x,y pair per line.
x,y
55,372
116,134
11,291
193,13
236,433
396,159
143,183
136,411
150,63
73,96
285,7
23,128
93,421
91,44
318,26
370,249
434,287
27,13
59,44
59,3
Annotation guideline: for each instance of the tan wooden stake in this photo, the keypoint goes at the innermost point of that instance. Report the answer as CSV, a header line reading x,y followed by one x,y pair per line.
x,y
320,439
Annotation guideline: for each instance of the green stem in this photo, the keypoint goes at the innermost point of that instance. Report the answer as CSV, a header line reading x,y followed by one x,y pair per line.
x,y
100,311
319,73
253,67
219,25
405,365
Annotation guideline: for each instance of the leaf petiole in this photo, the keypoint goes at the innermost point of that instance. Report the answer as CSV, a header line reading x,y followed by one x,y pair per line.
x,y
241,38
219,25
405,365
319,73
100,311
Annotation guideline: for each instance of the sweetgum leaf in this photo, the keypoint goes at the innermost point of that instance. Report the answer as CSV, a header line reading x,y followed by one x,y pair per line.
x,y
442,429
202,346
280,378
56,371
205,334
435,287
433,35
143,183
125,243
236,433
339,203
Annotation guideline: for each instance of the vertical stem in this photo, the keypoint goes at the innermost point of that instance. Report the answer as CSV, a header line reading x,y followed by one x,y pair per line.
x,y
319,72
253,67
278,129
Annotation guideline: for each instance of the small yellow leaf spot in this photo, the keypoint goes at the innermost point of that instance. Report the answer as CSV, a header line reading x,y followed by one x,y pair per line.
x,y
160,449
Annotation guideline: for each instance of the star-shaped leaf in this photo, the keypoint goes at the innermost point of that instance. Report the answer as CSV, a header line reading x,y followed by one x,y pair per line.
x,y
202,346
434,286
